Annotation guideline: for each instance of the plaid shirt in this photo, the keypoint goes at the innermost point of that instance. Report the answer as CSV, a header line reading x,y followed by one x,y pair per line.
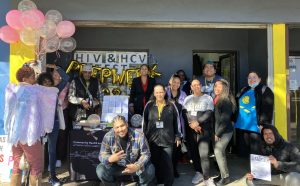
x,y
137,150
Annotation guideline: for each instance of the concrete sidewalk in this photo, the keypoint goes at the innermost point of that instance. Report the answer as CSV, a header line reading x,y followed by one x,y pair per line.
x,y
237,167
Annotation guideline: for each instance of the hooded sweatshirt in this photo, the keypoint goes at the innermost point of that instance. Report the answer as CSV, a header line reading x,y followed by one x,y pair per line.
x,y
287,155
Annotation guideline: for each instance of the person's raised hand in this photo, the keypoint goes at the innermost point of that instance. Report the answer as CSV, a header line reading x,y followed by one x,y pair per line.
x,y
249,176
273,161
115,157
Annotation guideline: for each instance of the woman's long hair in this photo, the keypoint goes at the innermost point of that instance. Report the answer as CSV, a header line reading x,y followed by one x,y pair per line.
x,y
226,93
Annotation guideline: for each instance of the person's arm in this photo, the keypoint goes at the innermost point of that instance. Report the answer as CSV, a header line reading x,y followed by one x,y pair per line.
x,y
145,118
294,164
267,107
72,95
105,151
9,107
144,153
64,78
225,118
132,93
176,123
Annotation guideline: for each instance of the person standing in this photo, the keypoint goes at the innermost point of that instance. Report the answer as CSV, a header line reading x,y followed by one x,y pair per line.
x,y
208,78
84,95
177,96
198,114
141,90
255,108
28,115
224,108
160,126
185,84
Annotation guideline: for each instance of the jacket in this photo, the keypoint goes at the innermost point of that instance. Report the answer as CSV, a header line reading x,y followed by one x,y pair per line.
x,y
287,155
264,102
137,94
169,116
137,150
223,113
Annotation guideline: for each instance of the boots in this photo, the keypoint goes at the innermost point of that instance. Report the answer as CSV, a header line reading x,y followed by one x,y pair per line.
x,y
15,180
35,180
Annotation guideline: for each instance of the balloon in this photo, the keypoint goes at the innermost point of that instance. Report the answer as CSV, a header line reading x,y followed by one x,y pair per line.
x,y
70,67
13,19
106,91
129,76
48,30
9,35
116,91
136,120
106,72
95,71
67,44
118,78
52,44
32,19
54,15
65,29
153,73
29,37
26,5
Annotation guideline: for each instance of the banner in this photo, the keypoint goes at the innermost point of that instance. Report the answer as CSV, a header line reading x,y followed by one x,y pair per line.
x,y
6,159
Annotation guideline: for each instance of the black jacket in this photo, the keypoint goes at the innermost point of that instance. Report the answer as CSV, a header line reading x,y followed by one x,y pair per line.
x,y
286,153
137,94
264,102
161,137
223,115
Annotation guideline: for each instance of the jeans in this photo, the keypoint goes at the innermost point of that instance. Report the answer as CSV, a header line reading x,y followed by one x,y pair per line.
x,y
287,179
219,149
52,141
108,175
161,157
203,148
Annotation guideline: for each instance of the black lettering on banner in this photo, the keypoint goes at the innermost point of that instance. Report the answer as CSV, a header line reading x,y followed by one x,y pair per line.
x,y
79,57
142,59
111,58
87,58
124,67
131,58
123,58
107,65
115,66
97,57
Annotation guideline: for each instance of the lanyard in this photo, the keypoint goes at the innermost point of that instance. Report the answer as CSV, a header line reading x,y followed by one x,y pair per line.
x,y
160,109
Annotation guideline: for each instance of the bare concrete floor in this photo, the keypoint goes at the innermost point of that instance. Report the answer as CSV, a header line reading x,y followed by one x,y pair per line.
x,y
237,167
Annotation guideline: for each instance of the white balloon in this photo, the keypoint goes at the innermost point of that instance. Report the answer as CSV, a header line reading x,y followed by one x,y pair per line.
x,y
26,5
67,44
29,37
52,44
48,30
54,15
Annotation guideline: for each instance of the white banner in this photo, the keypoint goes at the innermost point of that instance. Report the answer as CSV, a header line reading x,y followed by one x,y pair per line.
x,y
6,159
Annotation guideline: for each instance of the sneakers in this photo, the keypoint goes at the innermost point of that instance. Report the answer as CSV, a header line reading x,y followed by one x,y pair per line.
x,y
58,163
197,178
54,181
209,182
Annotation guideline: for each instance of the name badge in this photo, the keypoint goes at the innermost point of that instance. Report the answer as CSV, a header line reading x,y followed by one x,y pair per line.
x,y
193,113
159,124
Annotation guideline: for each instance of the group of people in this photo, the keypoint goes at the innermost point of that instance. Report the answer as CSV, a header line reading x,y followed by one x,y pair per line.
x,y
202,114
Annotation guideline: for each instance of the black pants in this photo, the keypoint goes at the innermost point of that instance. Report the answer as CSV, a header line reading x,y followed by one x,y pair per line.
x,y
248,142
161,157
193,150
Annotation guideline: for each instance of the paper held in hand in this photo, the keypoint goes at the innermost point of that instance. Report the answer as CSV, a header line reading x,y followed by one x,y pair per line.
x,y
260,167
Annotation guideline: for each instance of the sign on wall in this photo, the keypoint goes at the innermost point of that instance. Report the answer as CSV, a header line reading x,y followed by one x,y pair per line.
x,y
119,60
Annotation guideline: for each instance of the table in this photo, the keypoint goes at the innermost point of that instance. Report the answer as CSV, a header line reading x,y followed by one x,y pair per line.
x,y
84,150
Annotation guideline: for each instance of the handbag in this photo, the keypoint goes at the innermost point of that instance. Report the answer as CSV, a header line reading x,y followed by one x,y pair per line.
x,y
61,118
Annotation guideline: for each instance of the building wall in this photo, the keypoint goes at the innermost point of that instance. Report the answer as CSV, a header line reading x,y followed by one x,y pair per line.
x,y
258,52
294,39
171,47
267,11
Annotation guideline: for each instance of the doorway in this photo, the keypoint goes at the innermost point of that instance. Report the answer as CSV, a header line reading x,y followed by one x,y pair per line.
x,y
224,61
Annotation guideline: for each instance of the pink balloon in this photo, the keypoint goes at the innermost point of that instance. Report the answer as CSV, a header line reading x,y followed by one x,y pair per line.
x,y
32,19
65,29
13,19
9,35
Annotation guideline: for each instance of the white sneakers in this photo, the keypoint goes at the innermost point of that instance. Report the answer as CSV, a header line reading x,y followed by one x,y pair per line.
x,y
197,178
209,182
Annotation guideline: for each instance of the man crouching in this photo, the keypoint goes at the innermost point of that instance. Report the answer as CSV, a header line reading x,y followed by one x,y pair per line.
x,y
125,151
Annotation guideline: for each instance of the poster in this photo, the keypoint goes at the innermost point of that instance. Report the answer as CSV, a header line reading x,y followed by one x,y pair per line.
x,y
6,159
260,167
113,106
